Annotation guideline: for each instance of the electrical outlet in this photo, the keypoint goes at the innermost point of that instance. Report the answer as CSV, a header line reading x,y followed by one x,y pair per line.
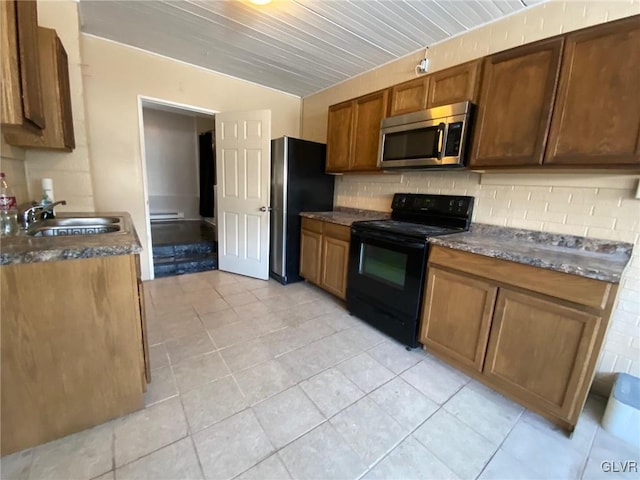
x,y
424,65
638,191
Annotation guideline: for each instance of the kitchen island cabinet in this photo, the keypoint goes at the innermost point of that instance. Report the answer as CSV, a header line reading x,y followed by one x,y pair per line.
x,y
73,335
531,333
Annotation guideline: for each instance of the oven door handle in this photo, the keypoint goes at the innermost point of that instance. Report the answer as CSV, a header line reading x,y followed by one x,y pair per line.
x,y
390,238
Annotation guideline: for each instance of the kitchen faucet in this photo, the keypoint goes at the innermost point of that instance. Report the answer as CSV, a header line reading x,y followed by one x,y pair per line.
x,y
28,211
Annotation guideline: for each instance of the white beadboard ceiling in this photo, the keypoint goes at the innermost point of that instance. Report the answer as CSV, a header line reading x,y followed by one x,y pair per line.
x,y
296,46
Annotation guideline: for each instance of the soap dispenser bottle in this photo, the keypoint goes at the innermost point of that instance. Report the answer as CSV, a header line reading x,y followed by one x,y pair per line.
x,y
47,197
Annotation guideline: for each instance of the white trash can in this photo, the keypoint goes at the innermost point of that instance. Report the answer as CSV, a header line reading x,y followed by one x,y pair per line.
x,y
622,415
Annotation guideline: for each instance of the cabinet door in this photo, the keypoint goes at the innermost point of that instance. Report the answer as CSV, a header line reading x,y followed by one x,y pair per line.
x,y
514,109
409,97
143,321
310,255
22,105
369,112
456,316
145,332
596,120
339,130
58,132
538,350
335,262
453,85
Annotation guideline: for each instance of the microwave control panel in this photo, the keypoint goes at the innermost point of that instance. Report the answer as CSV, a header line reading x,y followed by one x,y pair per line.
x,y
454,139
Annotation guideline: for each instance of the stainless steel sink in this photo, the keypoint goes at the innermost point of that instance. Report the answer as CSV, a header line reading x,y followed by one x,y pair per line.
x,y
65,226
79,221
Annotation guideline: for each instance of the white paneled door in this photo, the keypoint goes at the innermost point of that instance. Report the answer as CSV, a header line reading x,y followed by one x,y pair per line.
x,y
243,171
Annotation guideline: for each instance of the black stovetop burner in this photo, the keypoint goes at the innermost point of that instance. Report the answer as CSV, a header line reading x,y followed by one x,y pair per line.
x,y
411,229
424,215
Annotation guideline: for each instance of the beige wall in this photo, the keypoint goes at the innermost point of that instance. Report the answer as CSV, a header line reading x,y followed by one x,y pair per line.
x,y
114,76
597,206
12,163
71,172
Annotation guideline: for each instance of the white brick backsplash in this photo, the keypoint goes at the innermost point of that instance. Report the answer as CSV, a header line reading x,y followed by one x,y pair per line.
x,y
626,329
590,220
548,195
526,224
562,207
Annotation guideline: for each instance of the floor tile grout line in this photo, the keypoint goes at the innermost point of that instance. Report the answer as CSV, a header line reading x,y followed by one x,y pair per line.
x,y
195,450
501,443
442,405
589,450
116,468
409,434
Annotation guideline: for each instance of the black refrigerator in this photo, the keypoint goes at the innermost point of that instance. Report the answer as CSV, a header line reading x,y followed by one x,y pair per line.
x,y
298,184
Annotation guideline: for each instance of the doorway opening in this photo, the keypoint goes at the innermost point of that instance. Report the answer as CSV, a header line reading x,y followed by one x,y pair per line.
x,y
179,160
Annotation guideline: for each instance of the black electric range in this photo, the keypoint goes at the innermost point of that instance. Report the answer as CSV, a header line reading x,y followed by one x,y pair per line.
x,y
388,259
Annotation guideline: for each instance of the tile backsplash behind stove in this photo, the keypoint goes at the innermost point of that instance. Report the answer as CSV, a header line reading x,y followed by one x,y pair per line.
x,y
592,211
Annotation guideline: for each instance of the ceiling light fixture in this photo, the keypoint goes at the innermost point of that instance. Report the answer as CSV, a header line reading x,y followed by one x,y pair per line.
x,y
260,2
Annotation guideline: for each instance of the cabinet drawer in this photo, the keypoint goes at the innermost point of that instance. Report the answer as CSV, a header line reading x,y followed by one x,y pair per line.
x,y
341,232
312,224
580,290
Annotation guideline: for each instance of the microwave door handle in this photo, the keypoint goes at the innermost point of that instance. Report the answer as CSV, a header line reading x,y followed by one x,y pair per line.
x,y
442,129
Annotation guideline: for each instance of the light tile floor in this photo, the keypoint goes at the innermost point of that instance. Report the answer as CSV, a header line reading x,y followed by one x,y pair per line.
x,y
253,380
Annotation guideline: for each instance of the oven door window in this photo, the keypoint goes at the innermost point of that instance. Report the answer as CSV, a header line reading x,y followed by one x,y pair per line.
x,y
412,144
384,265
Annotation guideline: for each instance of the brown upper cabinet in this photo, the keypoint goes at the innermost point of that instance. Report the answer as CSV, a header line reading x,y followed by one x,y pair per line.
x,y
409,96
22,106
454,85
514,109
353,133
339,130
596,119
54,68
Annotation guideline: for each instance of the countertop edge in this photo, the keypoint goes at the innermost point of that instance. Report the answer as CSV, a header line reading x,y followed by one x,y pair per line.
x,y
46,250
531,261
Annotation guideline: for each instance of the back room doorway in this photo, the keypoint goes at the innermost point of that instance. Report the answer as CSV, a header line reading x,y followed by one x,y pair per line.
x,y
179,156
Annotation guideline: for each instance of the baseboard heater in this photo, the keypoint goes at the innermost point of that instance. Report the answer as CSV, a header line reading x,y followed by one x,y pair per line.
x,y
158,217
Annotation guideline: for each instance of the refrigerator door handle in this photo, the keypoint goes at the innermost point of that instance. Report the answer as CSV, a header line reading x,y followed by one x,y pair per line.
x,y
265,209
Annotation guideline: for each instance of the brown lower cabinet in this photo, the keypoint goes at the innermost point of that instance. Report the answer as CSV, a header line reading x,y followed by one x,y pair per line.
x,y
532,334
72,336
324,255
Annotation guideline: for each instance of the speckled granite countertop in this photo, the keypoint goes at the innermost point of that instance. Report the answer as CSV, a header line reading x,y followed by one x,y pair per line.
x,y
25,249
587,257
346,216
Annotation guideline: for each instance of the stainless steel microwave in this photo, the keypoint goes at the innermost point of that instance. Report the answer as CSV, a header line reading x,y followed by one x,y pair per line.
x,y
432,138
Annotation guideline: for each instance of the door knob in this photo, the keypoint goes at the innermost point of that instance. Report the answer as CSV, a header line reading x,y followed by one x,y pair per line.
x,y
265,209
